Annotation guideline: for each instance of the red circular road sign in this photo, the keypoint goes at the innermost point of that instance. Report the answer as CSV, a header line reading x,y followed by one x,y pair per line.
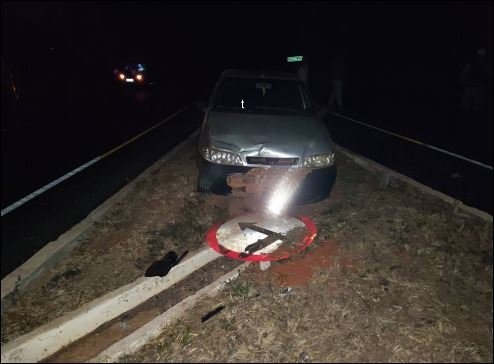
x,y
257,237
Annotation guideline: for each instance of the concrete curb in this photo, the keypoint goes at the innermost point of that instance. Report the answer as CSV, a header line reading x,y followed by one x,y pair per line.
x,y
50,338
54,251
387,173
153,329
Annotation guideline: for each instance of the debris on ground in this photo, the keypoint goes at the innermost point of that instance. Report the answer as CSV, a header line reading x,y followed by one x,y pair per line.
x,y
212,313
160,268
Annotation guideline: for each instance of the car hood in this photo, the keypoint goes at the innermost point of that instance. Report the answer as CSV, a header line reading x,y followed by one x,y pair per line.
x,y
265,134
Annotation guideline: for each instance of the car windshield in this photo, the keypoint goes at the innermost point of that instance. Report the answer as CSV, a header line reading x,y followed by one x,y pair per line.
x,y
261,95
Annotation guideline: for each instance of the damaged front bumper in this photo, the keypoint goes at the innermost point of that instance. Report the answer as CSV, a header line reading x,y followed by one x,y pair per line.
x,y
219,179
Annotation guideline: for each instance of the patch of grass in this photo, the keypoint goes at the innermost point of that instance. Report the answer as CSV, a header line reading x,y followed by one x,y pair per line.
x,y
340,219
154,245
126,358
225,323
117,218
66,275
240,289
176,335
328,229
184,232
187,231
189,228
186,336
401,241
421,223
163,346
220,213
335,209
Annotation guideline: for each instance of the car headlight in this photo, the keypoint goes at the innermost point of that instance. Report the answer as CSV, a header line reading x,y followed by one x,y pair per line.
x,y
319,161
221,156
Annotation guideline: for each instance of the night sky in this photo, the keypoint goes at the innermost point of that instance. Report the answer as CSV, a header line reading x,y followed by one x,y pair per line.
x,y
215,35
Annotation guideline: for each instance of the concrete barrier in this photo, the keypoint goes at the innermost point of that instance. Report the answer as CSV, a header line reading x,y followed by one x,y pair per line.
x,y
50,338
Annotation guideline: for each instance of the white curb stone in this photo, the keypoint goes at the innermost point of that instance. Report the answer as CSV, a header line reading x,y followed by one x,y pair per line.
x,y
50,338
146,333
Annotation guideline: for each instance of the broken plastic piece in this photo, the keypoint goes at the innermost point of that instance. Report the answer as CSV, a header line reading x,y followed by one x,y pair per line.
x,y
285,291
212,313
160,268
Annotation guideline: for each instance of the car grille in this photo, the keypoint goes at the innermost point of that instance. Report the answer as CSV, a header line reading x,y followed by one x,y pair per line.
x,y
273,161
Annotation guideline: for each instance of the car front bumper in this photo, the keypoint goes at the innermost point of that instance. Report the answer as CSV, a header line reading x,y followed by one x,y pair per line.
x,y
316,186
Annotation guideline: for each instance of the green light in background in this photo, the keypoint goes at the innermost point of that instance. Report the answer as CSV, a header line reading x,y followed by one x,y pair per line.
x,y
294,59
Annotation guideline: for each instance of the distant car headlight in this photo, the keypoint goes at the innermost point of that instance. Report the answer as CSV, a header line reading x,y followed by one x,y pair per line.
x,y
319,161
139,77
121,76
221,157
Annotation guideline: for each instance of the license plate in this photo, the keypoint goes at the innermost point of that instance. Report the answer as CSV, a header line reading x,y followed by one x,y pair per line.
x,y
129,80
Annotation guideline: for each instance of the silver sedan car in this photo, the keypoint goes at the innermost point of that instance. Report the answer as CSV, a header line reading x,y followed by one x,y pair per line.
x,y
264,120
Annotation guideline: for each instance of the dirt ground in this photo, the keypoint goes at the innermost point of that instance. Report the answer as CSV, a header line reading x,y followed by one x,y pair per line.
x,y
393,275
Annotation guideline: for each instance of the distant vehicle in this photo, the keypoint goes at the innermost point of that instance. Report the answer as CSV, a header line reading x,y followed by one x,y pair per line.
x,y
264,119
133,74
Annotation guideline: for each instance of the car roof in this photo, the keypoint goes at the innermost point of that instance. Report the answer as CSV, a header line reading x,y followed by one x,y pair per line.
x,y
259,74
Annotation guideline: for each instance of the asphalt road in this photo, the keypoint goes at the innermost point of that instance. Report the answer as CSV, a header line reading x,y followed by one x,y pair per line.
x,y
48,145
